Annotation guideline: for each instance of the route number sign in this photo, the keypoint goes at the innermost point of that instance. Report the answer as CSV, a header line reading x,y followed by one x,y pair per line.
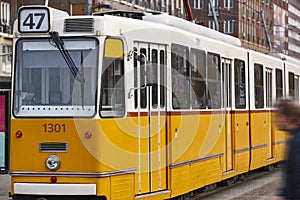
x,y
34,20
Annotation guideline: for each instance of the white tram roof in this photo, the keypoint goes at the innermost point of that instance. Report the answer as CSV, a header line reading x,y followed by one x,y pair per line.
x,y
286,58
166,19
191,27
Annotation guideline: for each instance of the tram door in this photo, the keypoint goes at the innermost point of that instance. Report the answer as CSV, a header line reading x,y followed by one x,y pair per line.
x,y
268,121
151,104
227,94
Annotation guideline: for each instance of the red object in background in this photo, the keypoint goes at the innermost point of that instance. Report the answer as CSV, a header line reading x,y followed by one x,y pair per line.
x,y
2,113
188,9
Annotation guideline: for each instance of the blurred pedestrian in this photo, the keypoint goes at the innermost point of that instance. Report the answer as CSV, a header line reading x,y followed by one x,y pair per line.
x,y
288,119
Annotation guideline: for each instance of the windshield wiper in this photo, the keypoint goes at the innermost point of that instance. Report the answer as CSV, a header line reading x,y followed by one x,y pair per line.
x,y
68,59
78,75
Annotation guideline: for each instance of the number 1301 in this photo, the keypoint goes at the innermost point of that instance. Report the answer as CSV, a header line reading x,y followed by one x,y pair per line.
x,y
54,128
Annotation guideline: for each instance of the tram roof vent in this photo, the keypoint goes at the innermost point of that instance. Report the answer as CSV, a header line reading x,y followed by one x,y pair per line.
x,y
128,14
80,25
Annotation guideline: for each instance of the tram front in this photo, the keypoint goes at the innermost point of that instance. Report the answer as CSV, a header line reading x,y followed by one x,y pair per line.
x,y
54,108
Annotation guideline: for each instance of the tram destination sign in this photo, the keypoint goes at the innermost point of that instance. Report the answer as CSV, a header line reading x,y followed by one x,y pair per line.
x,y
34,20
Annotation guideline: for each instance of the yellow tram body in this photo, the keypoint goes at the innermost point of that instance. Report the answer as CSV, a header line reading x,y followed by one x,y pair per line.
x,y
133,140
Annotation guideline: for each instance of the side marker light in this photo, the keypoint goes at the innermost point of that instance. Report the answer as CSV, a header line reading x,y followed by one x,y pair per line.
x,y
88,134
19,134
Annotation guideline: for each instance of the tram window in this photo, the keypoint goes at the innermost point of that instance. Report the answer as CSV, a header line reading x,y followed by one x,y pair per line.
x,y
297,88
140,93
180,77
143,92
259,87
291,85
48,87
154,63
269,88
239,84
112,84
279,84
162,78
198,77
213,80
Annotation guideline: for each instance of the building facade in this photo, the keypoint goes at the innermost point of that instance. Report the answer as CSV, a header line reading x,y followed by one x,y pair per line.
x,y
173,7
242,19
6,24
280,29
73,7
293,27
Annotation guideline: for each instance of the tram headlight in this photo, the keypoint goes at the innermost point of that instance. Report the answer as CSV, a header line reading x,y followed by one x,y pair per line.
x,y
52,162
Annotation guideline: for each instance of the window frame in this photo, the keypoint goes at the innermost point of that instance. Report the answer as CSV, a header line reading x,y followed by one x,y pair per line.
x,y
180,55
240,80
214,81
259,96
279,83
114,61
202,104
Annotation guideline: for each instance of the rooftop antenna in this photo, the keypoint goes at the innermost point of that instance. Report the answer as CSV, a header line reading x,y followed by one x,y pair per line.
x,y
46,2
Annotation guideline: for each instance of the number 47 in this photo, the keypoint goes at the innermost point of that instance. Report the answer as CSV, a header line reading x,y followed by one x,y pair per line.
x,y
29,21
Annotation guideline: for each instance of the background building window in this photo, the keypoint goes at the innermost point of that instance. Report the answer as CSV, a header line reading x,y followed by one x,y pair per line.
x,y
199,4
5,13
228,4
6,58
211,24
228,26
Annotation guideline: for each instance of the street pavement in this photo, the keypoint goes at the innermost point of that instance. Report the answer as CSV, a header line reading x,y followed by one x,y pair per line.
x,y
264,187
4,186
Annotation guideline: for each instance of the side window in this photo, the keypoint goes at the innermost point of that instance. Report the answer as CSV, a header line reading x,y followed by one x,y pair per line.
x,y
143,92
291,85
213,80
180,77
297,88
139,58
258,86
279,84
154,58
239,84
162,78
112,81
198,78
269,88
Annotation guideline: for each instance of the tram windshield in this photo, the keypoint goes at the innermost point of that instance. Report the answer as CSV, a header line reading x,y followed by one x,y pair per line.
x,y
44,84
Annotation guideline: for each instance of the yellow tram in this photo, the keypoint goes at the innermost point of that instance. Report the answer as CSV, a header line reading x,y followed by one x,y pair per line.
x,y
132,105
